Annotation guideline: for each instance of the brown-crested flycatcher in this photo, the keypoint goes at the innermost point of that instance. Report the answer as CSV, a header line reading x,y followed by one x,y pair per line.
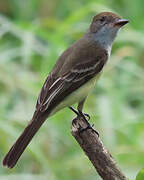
x,y
71,79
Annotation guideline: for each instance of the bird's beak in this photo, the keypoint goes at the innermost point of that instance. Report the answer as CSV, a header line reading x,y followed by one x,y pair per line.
x,y
121,22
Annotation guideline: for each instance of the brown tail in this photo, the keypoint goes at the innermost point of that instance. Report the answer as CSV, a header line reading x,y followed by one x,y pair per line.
x,y
18,148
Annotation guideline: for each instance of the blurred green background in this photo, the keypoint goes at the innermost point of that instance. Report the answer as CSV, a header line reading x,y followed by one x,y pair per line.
x,y
33,33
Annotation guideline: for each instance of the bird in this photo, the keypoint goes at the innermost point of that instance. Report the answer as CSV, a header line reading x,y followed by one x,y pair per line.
x,y
72,78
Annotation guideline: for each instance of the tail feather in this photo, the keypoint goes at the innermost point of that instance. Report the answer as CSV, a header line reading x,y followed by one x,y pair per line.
x,y
19,146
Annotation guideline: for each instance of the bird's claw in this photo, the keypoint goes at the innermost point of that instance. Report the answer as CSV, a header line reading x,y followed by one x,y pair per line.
x,y
81,114
89,127
84,115
87,115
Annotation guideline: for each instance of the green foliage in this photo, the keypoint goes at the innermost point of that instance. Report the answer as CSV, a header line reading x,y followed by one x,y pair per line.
x,y
140,175
33,33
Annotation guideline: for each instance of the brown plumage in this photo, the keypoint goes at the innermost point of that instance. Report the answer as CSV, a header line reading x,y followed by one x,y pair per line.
x,y
77,66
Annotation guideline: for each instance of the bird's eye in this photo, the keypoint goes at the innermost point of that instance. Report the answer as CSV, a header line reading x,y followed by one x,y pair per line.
x,y
102,20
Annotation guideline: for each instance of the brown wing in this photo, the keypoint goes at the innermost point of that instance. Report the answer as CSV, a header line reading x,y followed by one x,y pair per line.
x,y
65,85
53,77
48,82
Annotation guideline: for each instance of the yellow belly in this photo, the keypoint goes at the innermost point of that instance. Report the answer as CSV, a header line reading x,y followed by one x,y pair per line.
x,y
77,95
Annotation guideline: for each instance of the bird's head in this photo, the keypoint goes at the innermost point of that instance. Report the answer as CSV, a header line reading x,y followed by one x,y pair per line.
x,y
105,26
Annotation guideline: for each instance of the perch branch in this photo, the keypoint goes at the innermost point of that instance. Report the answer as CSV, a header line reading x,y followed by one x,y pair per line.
x,y
99,156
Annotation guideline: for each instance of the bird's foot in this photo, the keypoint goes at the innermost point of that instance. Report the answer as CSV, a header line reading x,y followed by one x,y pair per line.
x,y
80,113
86,115
83,115
89,126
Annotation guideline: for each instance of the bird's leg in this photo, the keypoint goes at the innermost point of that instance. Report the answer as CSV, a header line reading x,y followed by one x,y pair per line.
x,y
75,111
79,113
89,126
80,108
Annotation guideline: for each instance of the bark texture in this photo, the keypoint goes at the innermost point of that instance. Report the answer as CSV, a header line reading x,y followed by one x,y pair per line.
x,y
99,156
